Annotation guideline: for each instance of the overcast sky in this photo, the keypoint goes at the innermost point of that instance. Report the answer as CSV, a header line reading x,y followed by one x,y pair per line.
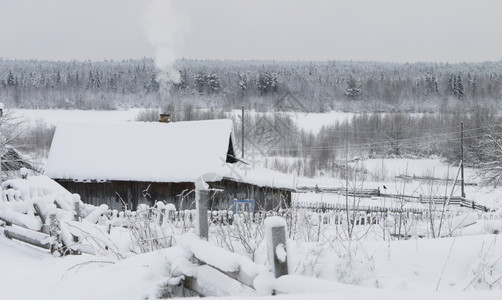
x,y
381,30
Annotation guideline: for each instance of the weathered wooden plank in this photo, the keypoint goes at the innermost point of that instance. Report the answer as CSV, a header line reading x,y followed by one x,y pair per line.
x,y
244,270
39,212
19,219
208,281
28,236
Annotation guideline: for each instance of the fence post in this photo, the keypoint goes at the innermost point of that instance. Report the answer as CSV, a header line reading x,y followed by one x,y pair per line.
x,y
53,228
76,217
161,207
201,206
76,207
41,216
276,245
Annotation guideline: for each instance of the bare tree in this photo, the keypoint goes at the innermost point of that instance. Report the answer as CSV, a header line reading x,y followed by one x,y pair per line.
x,y
490,154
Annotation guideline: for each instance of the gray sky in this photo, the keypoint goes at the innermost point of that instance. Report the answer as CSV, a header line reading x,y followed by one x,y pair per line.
x,y
382,30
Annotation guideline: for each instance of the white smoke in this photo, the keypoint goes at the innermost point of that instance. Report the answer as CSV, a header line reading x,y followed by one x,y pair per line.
x,y
165,27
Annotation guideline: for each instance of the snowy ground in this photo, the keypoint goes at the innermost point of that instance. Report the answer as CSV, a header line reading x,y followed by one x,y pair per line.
x,y
53,116
312,122
386,170
308,121
468,266
30,273
450,268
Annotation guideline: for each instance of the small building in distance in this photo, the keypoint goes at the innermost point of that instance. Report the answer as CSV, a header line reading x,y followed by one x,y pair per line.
x,y
128,163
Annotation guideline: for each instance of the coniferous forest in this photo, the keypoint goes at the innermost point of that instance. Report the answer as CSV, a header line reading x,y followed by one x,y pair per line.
x,y
320,86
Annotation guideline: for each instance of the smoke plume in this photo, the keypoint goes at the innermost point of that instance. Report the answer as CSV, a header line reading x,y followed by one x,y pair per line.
x,y
165,27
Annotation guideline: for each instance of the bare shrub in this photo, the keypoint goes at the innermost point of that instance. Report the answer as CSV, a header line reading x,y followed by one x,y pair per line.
x,y
148,115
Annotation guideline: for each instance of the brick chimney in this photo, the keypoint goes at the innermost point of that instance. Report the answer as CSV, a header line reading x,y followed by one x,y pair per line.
x,y
165,118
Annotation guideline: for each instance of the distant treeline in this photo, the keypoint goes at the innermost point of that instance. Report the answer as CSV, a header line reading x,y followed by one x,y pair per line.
x,y
318,86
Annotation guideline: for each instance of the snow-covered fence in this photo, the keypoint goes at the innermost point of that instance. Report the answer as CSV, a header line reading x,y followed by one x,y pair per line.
x,y
373,214
360,216
38,211
217,272
26,203
326,206
28,236
339,190
366,193
334,213
210,270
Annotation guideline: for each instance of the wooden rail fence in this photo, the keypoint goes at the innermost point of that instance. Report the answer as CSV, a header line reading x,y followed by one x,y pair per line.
x,y
367,193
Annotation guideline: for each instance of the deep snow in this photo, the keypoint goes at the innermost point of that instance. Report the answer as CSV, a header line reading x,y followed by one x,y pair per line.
x,y
458,267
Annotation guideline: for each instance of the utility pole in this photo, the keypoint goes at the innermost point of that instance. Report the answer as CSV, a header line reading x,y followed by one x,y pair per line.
x,y
462,156
349,231
242,120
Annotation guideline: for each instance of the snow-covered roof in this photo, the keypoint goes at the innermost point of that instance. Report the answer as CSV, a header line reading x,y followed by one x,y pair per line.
x,y
153,152
13,160
259,176
139,151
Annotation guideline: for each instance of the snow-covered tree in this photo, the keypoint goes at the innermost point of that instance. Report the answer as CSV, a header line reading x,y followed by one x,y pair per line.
x,y
267,82
11,81
213,82
431,86
353,90
458,87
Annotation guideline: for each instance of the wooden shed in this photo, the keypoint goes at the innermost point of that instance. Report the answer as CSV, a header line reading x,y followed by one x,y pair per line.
x,y
124,164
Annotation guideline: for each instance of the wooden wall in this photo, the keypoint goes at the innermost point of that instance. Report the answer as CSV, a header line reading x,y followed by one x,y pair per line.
x,y
117,193
264,198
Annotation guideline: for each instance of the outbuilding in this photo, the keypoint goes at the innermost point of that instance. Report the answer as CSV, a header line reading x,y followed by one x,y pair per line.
x,y
123,164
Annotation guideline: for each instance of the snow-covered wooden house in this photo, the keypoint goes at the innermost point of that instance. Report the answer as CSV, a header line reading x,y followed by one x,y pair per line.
x,y
133,162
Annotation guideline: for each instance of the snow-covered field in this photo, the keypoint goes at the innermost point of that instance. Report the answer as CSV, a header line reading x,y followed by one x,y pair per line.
x,y
53,116
386,170
308,121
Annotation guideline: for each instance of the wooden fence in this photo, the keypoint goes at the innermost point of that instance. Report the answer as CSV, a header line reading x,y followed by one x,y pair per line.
x,y
368,193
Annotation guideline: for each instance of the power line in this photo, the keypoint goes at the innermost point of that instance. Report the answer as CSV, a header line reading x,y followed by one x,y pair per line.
x,y
374,144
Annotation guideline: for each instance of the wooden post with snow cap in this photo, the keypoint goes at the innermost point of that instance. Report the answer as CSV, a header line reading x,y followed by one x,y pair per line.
x,y
161,207
275,231
201,206
53,228
76,207
202,203
76,217
171,212
24,173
